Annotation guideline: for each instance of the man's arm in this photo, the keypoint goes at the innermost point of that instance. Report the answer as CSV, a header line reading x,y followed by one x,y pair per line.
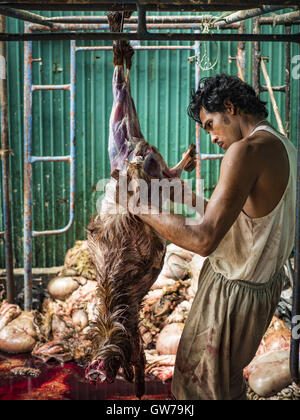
x,y
238,175
187,196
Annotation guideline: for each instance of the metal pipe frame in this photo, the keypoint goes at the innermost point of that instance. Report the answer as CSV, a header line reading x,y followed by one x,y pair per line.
x,y
200,156
156,5
143,34
7,234
149,37
287,18
198,127
29,88
279,19
256,58
270,21
247,14
292,18
24,15
241,54
132,19
127,26
288,85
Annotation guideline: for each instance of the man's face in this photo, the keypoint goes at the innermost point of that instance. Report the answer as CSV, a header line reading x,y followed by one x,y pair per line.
x,y
223,127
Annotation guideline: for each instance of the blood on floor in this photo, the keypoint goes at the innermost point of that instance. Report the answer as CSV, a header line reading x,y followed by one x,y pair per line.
x,y
25,378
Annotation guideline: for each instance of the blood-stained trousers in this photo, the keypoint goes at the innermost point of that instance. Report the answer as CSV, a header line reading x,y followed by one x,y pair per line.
x,y
226,324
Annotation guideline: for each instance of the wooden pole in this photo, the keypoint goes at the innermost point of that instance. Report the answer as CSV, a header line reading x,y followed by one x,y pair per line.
x,y
272,97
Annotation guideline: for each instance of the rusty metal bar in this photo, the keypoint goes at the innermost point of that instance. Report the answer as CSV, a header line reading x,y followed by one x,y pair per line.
x,y
178,19
27,174
149,37
29,88
197,126
241,54
288,84
287,18
136,47
269,21
24,15
134,19
50,87
200,156
71,158
10,288
127,26
247,14
256,58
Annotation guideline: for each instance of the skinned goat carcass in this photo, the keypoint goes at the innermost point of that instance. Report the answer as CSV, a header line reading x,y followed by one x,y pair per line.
x,y
128,255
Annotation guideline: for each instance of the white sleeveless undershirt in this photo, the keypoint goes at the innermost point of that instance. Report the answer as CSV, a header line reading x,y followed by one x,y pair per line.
x,y
256,248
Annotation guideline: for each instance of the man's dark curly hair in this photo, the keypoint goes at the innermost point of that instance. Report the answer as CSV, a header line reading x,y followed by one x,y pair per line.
x,y
214,91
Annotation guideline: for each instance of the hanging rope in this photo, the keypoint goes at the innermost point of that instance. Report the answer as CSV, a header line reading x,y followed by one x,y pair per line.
x,y
123,51
203,59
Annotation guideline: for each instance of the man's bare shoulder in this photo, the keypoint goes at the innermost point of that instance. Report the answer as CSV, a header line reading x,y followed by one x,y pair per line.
x,y
256,149
240,153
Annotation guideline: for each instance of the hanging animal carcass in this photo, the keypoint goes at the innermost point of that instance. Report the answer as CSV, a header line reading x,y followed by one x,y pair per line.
x,y
128,255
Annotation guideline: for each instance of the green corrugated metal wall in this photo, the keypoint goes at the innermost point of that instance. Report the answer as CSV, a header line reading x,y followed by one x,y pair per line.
x,y
161,84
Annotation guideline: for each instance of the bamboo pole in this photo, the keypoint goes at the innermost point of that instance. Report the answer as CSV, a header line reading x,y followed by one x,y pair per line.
x,y
272,97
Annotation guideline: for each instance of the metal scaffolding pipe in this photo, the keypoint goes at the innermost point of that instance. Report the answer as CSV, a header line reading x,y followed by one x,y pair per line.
x,y
288,84
287,18
197,46
270,21
127,26
247,14
24,15
149,37
27,175
241,55
167,19
150,5
256,58
133,19
10,290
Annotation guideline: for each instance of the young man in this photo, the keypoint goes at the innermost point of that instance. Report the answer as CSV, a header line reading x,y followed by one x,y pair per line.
x,y
247,232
